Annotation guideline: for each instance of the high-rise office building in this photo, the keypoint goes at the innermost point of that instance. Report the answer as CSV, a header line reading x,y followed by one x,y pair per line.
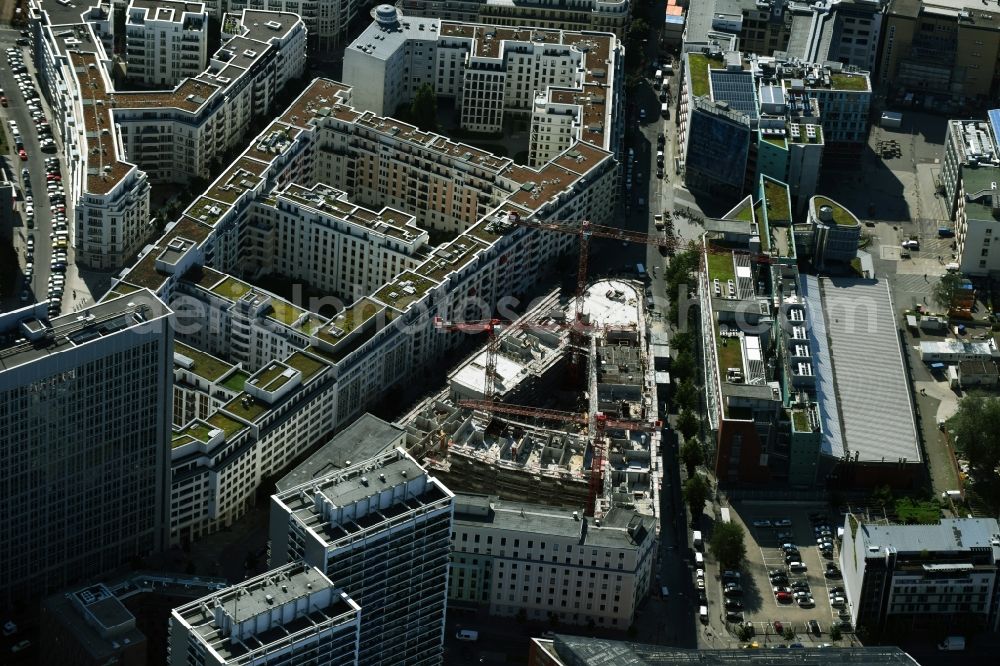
x,y
84,439
287,616
380,530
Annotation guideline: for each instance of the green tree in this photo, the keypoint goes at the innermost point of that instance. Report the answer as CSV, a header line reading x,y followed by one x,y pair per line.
x,y
683,366
692,454
687,424
696,492
944,291
686,396
683,341
639,30
728,545
974,429
835,633
423,108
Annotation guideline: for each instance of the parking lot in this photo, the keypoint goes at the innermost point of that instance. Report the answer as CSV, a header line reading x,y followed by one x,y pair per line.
x,y
767,528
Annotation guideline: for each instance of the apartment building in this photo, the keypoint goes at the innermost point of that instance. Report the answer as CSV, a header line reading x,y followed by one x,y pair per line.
x,y
84,425
567,84
165,41
945,48
977,221
119,141
940,578
379,529
290,615
597,15
318,236
550,563
327,21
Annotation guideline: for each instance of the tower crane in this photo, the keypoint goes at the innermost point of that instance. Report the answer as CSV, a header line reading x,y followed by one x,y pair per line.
x,y
491,328
600,421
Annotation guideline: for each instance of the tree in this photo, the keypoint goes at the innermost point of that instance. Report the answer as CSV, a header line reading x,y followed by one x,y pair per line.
x,y
683,366
974,429
687,424
639,30
683,341
696,492
692,454
944,290
686,396
728,545
423,108
835,633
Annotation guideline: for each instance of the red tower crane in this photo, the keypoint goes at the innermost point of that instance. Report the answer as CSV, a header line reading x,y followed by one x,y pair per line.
x,y
490,326
600,420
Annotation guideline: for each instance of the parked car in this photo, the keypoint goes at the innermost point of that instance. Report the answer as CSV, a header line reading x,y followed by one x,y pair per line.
x,y
734,604
784,522
783,598
779,628
762,523
814,627
781,589
806,602
734,616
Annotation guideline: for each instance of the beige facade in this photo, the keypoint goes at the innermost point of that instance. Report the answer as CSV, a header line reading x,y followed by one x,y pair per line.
x,y
944,47
551,563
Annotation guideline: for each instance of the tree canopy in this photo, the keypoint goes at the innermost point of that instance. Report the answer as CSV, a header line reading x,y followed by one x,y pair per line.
x,y
687,424
693,455
944,291
975,429
728,545
423,108
696,492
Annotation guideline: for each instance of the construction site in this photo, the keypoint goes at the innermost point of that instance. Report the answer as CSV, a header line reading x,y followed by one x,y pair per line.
x,y
558,408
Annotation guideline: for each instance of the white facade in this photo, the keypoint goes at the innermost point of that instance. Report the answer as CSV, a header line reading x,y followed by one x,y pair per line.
x,y
292,614
977,221
326,20
379,529
165,41
116,142
566,83
551,562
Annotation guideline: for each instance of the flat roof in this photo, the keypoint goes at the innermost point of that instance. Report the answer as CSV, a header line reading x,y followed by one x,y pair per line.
x,y
869,387
620,529
353,485
603,304
366,438
75,329
950,534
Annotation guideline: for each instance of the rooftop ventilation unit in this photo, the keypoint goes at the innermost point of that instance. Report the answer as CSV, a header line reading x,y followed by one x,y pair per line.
x,y
273,25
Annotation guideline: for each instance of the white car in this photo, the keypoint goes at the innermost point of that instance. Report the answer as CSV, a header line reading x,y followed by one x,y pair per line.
x,y
762,523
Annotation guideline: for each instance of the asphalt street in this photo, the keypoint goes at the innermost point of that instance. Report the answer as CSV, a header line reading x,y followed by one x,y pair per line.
x,y
17,110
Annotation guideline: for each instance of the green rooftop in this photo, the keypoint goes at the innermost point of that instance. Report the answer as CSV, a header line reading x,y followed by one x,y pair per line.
x,y
195,431
841,215
305,364
743,211
778,141
776,200
231,288
841,81
205,366
720,267
404,290
800,422
207,210
249,412
978,184
284,312
225,424
730,352
347,320
803,136
270,379
236,381
699,65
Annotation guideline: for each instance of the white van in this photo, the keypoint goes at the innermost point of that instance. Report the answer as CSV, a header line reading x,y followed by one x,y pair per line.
x,y
467,635
696,539
703,614
699,560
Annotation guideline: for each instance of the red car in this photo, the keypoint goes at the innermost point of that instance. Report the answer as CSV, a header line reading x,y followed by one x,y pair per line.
x,y
23,155
778,627
783,598
53,177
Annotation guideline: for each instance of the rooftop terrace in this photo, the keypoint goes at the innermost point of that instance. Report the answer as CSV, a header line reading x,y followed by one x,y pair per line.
x,y
205,365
